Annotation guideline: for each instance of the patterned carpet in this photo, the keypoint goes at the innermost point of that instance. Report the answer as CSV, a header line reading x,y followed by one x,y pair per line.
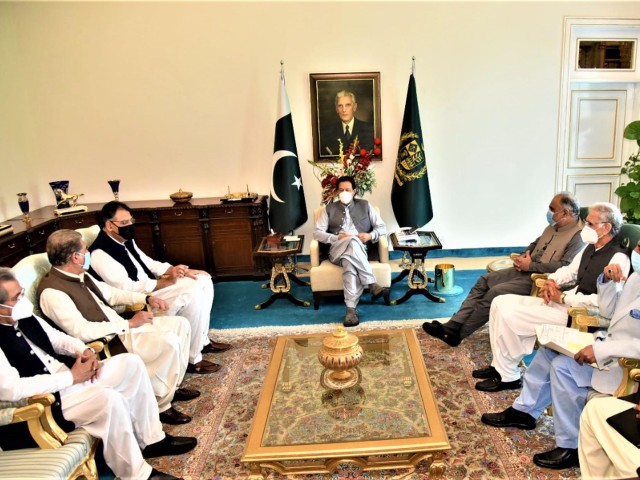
x,y
223,414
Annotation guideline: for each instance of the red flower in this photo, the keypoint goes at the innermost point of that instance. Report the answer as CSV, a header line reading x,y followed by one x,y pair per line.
x,y
377,141
377,152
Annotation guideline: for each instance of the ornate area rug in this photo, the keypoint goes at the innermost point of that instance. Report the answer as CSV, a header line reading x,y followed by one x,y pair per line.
x,y
224,411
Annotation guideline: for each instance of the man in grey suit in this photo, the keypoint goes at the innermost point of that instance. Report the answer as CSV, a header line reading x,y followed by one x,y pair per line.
x,y
567,382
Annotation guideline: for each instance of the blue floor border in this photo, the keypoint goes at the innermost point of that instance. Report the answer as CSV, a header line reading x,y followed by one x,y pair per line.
x,y
453,252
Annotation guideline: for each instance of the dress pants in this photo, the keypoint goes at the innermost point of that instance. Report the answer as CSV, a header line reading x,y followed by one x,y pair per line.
x,y
603,452
512,329
351,254
556,379
474,311
164,348
119,408
193,300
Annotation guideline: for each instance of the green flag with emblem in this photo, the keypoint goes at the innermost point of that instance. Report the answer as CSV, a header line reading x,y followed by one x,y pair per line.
x,y
410,194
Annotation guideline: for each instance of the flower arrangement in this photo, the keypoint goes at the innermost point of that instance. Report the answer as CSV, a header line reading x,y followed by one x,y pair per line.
x,y
349,164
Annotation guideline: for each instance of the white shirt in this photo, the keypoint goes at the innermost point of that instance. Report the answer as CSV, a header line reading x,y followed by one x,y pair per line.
x,y
13,387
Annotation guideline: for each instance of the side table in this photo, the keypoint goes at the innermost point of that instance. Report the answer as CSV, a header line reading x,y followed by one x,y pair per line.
x,y
414,268
282,271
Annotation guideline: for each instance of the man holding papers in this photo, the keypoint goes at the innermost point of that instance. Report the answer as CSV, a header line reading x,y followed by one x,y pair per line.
x,y
567,382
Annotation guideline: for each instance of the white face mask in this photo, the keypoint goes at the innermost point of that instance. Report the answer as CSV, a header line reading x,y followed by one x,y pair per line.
x,y
589,235
635,261
345,197
22,309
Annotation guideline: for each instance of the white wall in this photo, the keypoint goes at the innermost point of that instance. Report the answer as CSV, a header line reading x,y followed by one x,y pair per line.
x,y
169,95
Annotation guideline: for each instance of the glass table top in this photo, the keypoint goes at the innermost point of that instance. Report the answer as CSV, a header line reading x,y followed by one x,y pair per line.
x,y
386,402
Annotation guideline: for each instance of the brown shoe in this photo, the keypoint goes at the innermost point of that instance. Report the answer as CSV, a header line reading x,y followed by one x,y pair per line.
x,y
203,366
174,417
215,347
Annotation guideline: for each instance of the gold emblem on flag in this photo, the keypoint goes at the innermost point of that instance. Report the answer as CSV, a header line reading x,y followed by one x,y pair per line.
x,y
411,163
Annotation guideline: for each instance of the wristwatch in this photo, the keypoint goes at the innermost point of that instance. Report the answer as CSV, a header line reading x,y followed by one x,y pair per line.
x,y
562,297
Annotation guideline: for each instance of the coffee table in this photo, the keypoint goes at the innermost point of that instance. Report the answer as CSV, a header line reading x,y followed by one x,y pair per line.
x,y
387,419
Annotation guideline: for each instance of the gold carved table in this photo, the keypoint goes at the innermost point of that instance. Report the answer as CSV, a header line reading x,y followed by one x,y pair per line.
x,y
386,419
413,266
283,267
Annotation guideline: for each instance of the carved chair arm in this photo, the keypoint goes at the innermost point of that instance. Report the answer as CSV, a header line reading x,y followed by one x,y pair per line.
x,y
37,414
630,377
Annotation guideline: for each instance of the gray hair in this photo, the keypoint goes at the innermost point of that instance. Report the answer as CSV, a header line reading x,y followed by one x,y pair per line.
x,y
345,93
570,202
609,213
61,244
6,275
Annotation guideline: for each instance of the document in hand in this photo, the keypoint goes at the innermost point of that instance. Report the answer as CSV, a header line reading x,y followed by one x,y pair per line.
x,y
567,341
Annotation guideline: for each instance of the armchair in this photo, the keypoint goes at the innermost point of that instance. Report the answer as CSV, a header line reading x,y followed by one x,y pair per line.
x,y
326,278
58,455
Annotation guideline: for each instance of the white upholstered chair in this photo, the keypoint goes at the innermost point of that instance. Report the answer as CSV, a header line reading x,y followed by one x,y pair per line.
x,y
326,278
89,234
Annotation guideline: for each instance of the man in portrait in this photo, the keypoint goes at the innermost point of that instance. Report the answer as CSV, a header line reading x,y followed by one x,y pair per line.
x,y
347,128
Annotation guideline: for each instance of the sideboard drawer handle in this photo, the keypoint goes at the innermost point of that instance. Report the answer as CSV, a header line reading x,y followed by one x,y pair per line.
x,y
11,245
178,214
78,221
229,211
42,232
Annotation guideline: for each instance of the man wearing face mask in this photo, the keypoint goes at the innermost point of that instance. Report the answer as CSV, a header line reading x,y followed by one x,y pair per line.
x,y
117,260
112,399
513,318
347,226
567,383
555,248
81,307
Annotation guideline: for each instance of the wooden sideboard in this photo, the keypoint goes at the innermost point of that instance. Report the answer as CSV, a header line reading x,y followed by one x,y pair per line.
x,y
206,233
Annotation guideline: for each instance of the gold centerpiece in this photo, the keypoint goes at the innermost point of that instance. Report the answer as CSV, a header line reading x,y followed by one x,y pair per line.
x,y
340,353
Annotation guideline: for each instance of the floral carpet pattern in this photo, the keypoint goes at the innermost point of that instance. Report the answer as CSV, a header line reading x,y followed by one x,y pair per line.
x,y
224,412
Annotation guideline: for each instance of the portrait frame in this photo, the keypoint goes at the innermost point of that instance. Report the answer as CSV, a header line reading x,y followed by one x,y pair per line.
x,y
324,118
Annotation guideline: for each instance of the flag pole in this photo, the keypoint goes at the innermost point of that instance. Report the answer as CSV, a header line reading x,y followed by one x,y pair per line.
x,y
282,70
413,65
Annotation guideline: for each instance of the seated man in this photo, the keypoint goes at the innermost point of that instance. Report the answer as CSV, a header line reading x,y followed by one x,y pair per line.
x,y
80,306
603,452
513,318
112,400
566,382
555,248
348,226
117,260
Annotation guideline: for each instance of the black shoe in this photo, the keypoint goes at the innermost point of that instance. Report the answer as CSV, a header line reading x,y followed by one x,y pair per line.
x,y
185,394
558,458
170,445
509,418
351,319
174,417
436,329
496,384
158,475
487,372
215,347
377,291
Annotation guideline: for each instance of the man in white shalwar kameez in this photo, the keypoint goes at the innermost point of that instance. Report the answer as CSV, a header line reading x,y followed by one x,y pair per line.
x,y
112,400
117,261
81,306
513,318
347,226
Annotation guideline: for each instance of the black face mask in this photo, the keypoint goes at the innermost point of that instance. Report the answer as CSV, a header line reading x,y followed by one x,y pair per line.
x,y
128,232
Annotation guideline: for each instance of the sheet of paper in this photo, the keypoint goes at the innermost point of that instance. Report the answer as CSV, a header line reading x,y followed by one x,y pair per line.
x,y
567,341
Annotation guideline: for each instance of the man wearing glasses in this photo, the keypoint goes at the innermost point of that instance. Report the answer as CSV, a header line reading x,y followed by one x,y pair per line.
x,y
513,318
117,260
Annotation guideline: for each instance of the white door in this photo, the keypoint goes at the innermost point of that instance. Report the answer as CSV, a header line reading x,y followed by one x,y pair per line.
x,y
596,104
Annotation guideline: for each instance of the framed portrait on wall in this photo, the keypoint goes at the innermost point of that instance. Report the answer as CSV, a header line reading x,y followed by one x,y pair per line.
x,y
344,106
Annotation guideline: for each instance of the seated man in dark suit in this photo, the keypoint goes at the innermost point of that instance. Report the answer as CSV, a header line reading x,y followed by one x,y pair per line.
x,y
347,129
112,399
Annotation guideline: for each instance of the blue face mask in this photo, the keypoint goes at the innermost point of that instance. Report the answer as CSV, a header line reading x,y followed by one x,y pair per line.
x,y
635,261
550,218
87,260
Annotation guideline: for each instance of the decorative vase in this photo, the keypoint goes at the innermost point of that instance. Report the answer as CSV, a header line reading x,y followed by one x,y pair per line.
x,y
23,201
340,353
115,188
60,185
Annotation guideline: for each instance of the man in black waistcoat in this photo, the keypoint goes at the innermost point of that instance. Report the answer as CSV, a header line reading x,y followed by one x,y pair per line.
x,y
347,226
513,318
112,399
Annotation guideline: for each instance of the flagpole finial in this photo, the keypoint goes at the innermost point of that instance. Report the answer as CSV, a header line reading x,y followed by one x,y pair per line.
x,y
282,69
413,65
